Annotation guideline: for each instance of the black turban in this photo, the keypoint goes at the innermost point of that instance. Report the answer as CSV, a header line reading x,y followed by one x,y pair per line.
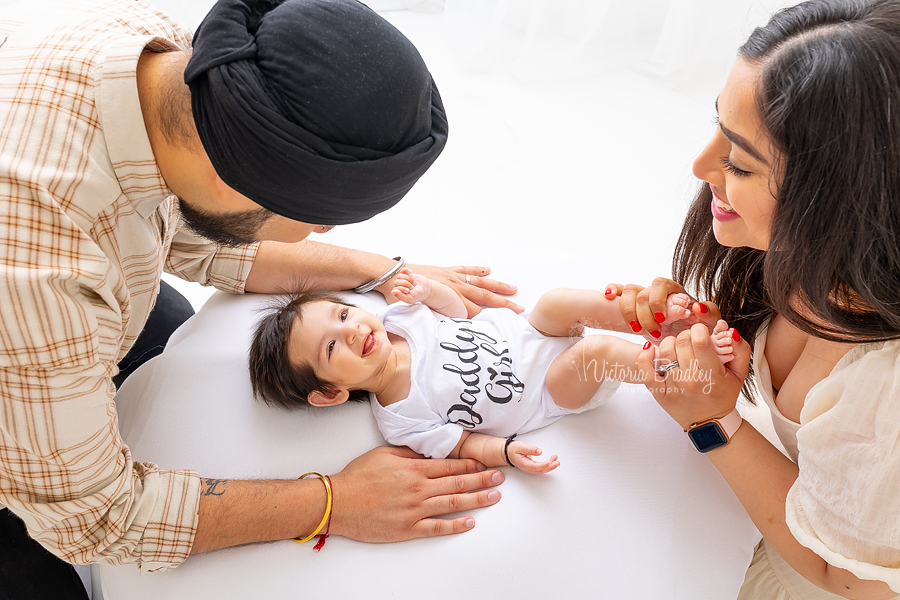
x,y
318,110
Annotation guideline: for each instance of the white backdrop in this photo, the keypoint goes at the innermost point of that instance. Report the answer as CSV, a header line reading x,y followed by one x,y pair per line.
x,y
573,127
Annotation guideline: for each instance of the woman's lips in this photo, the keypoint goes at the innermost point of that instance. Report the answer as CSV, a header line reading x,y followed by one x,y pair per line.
x,y
721,210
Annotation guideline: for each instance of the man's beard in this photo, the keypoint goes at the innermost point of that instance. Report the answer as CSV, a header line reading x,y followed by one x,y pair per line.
x,y
231,230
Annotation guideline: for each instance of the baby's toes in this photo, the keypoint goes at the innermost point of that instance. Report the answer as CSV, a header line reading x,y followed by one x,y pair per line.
x,y
722,342
677,308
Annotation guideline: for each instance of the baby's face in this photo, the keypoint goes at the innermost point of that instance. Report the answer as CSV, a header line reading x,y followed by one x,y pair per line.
x,y
346,346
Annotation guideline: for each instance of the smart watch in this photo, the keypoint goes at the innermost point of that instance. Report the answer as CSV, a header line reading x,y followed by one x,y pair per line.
x,y
714,433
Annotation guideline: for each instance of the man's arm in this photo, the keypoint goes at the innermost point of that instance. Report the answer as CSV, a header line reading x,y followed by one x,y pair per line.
x,y
281,268
385,495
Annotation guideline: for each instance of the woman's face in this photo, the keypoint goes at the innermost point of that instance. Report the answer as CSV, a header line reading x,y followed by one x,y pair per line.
x,y
738,164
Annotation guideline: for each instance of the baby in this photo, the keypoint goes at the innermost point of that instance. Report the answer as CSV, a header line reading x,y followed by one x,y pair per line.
x,y
447,385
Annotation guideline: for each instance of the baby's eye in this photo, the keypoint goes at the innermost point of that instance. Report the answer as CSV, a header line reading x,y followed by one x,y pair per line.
x,y
330,348
344,315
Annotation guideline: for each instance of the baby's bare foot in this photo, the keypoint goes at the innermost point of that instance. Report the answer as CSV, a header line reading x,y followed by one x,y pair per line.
x,y
677,309
722,341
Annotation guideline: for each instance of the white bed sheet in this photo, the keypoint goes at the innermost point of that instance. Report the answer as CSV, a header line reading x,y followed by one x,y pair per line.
x,y
633,511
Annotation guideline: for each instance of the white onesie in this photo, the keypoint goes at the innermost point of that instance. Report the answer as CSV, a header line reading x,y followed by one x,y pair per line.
x,y
485,374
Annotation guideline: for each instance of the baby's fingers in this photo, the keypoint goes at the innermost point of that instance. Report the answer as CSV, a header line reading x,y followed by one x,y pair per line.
x,y
536,468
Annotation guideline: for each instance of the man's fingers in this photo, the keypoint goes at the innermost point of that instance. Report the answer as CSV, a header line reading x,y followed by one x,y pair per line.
x,y
454,503
472,270
436,527
478,296
492,285
462,484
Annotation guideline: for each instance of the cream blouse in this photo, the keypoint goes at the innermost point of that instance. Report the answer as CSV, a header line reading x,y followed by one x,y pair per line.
x,y
845,504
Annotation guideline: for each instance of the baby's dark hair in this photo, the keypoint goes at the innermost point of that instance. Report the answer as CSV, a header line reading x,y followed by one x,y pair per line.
x,y
274,378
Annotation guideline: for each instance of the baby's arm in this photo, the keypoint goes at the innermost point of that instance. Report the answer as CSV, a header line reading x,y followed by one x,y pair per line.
x,y
488,450
410,287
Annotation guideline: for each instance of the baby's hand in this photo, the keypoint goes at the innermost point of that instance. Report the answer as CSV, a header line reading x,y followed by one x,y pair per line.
x,y
520,455
722,341
411,288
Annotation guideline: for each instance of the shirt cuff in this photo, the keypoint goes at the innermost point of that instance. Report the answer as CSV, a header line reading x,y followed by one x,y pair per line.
x,y
169,534
231,266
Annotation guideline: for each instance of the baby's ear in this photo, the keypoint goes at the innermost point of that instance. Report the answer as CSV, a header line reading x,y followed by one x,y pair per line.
x,y
317,398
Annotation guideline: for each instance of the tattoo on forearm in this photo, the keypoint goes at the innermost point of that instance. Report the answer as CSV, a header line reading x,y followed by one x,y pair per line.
x,y
215,487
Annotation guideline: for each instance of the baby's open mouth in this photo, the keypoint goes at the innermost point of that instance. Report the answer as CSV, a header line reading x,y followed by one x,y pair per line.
x,y
370,344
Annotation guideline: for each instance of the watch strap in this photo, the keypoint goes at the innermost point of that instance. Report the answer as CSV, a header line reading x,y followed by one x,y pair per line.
x,y
731,422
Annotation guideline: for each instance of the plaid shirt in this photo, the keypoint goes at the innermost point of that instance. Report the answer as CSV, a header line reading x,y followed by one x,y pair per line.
x,y
87,226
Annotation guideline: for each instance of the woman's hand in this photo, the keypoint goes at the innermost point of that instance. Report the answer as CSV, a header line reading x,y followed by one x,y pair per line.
x,y
644,309
701,387
478,291
393,494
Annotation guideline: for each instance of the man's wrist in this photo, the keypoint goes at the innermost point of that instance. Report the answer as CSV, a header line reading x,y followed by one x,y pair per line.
x,y
382,279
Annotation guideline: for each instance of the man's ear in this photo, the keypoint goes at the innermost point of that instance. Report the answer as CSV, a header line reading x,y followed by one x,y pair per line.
x,y
317,398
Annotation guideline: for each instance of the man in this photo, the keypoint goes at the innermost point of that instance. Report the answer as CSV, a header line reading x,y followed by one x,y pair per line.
x,y
287,118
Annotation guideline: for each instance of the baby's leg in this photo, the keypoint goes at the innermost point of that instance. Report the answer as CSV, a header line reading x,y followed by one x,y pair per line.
x,y
579,371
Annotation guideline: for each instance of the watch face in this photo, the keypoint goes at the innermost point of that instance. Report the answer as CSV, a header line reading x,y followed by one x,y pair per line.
x,y
708,436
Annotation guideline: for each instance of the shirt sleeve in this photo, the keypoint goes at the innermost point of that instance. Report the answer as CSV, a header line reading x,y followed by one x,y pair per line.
x,y
845,504
64,468
194,258
434,439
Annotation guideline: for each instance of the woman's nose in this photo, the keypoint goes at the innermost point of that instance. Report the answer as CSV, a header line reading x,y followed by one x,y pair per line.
x,y
708,164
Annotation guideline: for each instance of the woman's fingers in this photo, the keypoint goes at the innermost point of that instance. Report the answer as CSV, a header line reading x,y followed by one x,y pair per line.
x,y
628,305
651,304
644,308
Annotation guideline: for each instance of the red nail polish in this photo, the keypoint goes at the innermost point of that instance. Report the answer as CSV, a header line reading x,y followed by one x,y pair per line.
x,y
659,317
635,326
655,334
647,345
703,308
735,335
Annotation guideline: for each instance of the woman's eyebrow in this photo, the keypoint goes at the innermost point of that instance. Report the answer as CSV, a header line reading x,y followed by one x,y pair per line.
x,y
739,141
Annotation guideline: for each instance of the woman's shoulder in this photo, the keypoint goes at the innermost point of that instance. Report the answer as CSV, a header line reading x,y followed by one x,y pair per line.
x,y
864,383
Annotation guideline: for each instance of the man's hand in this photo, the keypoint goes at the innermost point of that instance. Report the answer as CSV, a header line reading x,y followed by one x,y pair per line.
x,y
479,291
393,494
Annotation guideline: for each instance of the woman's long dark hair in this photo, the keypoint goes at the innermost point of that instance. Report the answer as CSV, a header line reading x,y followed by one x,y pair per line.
x,y
829,98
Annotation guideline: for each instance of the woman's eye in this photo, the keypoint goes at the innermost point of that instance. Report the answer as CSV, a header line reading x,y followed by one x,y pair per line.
x,y
729,166
330,348
344,315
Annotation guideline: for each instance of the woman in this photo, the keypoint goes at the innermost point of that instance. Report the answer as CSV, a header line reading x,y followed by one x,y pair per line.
x,y
795,237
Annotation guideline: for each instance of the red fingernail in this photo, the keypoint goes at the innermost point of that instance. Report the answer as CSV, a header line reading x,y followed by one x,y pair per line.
x,y
635,326
647,345
735,335
607,292
703,308
659,317
655,334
